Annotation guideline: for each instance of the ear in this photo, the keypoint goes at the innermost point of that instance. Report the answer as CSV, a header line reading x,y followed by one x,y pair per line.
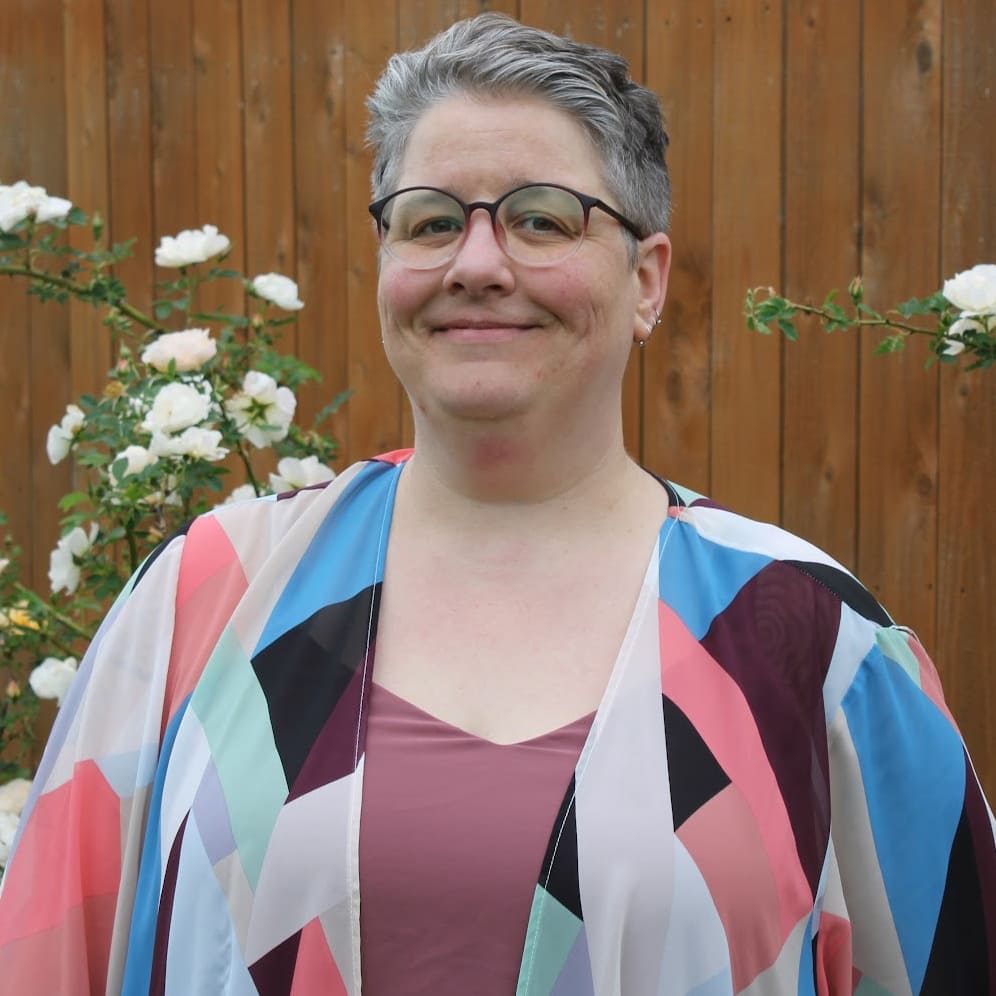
x,y
653,266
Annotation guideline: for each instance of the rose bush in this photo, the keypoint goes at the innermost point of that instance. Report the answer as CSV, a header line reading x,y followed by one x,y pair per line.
x,y
195,410
961,317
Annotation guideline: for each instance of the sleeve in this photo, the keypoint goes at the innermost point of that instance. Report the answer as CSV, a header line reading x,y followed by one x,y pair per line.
x,y
67,896
910,905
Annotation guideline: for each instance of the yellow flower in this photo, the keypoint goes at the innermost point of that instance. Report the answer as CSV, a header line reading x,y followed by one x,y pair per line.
x,y
22,619
13,689
113,389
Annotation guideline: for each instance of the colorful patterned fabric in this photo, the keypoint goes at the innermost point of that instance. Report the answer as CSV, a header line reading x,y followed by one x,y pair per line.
x,y
772,799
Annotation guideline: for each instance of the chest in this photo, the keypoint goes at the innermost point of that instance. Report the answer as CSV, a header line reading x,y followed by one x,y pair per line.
x,y
504,648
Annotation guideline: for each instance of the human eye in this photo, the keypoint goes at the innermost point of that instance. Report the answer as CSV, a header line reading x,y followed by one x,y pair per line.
x,y
540,225
543,214
437,227
426,217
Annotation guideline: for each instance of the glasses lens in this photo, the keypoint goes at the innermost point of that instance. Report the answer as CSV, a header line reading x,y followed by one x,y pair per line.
x,y
541,224
422,227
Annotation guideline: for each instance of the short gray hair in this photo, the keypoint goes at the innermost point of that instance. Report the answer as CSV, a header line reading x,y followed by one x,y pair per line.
x,y
494,55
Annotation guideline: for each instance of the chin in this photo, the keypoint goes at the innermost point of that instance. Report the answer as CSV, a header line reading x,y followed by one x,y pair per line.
x,y
474,402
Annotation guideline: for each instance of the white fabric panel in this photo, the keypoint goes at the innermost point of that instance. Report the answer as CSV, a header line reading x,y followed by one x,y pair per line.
x,y
625,847
303,870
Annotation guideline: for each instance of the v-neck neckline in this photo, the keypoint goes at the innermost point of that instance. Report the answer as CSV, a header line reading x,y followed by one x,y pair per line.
x,y
458,731
648,593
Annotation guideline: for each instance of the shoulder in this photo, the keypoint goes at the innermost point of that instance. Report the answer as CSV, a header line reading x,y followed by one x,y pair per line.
x,y
250,533
742,550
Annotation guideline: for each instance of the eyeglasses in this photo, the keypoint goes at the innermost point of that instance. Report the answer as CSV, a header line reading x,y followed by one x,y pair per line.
x,y
538,224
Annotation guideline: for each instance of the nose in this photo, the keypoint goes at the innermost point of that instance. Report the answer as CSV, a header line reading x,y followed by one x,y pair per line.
x,y
480,262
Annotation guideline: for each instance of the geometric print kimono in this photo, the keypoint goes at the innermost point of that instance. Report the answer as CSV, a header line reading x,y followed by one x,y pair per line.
x,y
773,797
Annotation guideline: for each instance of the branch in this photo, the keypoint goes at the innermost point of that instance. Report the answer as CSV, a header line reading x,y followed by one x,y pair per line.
x,y
50,609
80,290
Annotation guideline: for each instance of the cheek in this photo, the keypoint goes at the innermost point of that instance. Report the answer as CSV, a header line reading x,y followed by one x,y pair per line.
x,y
400,293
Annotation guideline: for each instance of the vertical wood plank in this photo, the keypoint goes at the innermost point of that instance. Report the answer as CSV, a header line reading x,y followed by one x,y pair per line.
x,y
220,166
320,181
676,410
617,26
174,124
49,328
16,111
86,161
747,184
129,146
897,510
966,625
375,407
822,127
34,338
468,8
269,141
419,20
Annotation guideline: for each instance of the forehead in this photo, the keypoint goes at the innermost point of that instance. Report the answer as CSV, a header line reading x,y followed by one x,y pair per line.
x,y
481,147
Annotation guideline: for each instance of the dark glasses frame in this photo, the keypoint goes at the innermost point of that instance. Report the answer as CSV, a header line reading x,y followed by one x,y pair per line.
x,y
586,200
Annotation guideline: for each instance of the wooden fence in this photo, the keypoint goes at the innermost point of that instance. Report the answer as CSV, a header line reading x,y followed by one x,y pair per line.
x,y
810,141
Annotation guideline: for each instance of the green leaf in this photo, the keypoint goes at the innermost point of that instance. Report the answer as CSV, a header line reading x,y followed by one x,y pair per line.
x,y
788,329
891,344
915,306
223,317
71,500
333,406
76,216
162,310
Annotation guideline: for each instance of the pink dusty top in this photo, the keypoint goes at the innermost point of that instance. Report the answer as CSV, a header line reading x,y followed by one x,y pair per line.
x,y
453,832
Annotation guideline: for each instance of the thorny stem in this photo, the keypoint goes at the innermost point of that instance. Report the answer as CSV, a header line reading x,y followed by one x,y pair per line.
x,y
880,322
244,457
52,611
78,289
132,550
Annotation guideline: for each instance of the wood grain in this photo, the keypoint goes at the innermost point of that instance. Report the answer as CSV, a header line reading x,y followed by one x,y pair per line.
x,y
966,566
822,198
745,450
897,496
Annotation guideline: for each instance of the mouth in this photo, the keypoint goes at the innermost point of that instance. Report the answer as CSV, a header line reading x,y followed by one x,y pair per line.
x,y
479,330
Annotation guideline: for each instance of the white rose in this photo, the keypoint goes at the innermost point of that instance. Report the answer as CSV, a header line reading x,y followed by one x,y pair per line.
x,y
293,474
63,569
974,290
13,795
175,407
4,561
279,290
953,342
201,444
242,493
138,458
262,412
189,350
52,678
21,200
60,437
191,246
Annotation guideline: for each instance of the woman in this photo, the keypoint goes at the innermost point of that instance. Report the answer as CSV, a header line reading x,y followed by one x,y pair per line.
x,y
506,713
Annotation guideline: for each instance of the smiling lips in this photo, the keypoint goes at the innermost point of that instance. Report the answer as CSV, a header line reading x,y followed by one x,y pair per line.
x,y
481,330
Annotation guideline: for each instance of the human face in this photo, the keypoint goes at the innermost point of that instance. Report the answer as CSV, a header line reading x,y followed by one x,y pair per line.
x,y
483,337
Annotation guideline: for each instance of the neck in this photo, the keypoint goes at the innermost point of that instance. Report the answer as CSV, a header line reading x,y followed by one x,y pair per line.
x,y
503,476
